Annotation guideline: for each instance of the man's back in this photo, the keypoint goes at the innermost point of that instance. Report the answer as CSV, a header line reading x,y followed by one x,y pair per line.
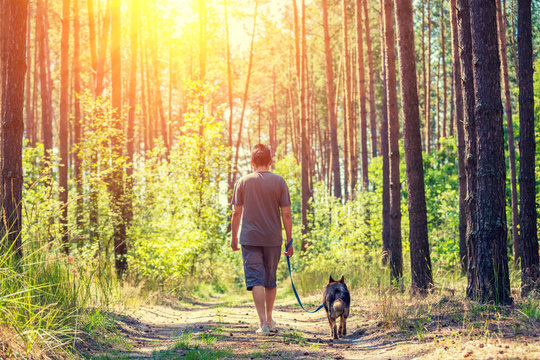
x,y
261,193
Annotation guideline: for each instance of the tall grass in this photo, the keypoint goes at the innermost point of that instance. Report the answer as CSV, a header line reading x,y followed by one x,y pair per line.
x,y
44,295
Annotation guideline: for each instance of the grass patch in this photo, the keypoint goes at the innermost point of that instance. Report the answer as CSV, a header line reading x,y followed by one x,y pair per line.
x,y
295,337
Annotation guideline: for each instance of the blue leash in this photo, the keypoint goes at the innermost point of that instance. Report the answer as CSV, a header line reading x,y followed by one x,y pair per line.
x,y
292,283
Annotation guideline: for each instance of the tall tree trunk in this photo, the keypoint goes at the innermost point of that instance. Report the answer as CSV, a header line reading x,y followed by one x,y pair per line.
x,y
396,260
438,106
372,120
443,59
330,102
424,88
230,99
77,126
458,98
13,69
510,131
92,39
132,100
64,123
362,94
306,162
493,278
465,56
117,184
46,102
527,148
420,257
30,125
384,148
427,78
348,119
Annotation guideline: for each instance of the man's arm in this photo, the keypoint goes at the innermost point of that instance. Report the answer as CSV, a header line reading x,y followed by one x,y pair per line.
x,y
235,225
287,224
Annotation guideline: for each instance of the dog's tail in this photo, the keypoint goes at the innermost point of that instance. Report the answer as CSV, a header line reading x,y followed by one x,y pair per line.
x,y
339,307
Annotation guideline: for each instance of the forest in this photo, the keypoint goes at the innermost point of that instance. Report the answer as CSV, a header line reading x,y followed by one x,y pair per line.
x,y
406,131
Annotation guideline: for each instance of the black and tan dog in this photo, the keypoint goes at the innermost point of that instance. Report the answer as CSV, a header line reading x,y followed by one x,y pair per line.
x,y
337,301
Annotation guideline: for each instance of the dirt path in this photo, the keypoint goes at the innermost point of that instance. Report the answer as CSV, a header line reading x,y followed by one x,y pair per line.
x,y
226,329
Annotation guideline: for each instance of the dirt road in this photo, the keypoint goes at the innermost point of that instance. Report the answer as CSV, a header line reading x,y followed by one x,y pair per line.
x,y
226,329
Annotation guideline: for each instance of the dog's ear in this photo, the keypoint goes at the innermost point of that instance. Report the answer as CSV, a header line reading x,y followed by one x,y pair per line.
x,y
342,280
330,280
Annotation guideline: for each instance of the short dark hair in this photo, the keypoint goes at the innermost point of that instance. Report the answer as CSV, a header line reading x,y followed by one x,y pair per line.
x,y
261,155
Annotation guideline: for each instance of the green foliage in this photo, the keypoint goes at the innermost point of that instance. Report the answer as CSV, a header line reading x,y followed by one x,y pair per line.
x,y
179,225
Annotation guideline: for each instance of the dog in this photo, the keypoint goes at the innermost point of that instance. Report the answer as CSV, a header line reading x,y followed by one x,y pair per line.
x,y
337,302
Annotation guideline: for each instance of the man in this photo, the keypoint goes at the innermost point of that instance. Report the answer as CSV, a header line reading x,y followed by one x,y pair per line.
x,y
258,198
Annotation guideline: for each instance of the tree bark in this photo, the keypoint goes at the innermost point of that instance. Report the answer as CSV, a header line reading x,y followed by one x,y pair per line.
x,y
465,55
427,101
443,59
372,116
396,260
117,184
510,131
330,101
348,120
493,278
384,149
77,126
361,78
13,69
64,123
418,232
458,98
30,126
132,100
306,161
527,148
46,102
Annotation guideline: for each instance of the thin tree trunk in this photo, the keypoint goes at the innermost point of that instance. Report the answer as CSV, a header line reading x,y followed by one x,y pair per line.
x,y
396,260
373,126
384,149
424,88
30,125
330,95
92,39
13,70
132,100
362,94
458,98
530,273
306,161
493,278
510,131
64,123
443,59
418,232
117,186
438,106
427,88
230,99
347,101
46,102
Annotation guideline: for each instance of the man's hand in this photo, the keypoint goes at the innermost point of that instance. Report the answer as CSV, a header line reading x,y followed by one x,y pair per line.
x,y
290,251
234,244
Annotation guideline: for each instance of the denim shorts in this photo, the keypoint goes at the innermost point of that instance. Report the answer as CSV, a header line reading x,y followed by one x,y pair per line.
x,y
260,265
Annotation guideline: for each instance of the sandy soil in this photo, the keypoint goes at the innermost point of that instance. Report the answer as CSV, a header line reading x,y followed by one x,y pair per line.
x,y
156,331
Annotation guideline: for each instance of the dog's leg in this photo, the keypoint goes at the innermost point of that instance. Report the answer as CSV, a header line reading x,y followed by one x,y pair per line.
x,y
331,325
336,335
343,325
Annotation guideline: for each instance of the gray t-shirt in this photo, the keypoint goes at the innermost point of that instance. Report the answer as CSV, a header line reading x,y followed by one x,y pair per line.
x,y
262,193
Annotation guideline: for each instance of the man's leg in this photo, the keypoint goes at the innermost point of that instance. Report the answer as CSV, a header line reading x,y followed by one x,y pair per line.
x,y
259,299
270,297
